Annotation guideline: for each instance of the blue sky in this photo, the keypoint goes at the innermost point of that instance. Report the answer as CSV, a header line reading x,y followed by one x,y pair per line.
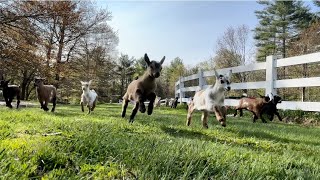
x,y
185,29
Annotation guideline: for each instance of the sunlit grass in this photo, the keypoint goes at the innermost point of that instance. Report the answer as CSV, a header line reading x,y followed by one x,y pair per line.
x,y
104,146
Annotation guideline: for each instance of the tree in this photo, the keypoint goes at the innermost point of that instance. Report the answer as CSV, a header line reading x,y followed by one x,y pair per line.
x,y
233,49
279,23
308,42
125,70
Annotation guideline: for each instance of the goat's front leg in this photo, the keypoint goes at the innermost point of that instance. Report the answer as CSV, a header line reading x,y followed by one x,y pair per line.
x,y
82,106
124,107
190,112
134,112
18,101
88,106
278,115
45,106
220,115
8,102
204,119
151,97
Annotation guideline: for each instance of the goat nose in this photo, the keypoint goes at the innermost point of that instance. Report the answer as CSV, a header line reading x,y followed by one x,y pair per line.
x,y
229,88
157,74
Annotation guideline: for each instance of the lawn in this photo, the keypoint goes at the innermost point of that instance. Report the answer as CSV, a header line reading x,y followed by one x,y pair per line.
x,y
104,146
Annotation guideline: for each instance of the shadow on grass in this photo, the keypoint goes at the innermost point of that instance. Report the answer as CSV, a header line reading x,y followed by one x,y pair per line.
x,y
270,137
189,134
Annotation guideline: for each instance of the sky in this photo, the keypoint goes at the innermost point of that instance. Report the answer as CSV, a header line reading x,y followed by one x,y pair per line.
x,y
185,29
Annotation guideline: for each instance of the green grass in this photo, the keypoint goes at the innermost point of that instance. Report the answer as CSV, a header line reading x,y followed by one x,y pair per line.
x,y
105,146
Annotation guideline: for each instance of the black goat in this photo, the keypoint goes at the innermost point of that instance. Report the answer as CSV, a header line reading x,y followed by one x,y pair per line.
x,y
270,109
9,92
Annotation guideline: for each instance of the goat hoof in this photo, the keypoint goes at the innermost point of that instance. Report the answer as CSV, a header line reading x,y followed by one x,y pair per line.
x,y
142,109
131,120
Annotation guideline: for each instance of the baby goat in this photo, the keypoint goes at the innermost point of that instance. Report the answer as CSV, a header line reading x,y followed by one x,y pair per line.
x,y
253,105
88,97
46,93
211,100
270,108
9,92
143,89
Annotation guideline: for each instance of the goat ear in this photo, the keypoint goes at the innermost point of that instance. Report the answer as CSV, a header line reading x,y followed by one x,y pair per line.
x,y
216,73
146,58
82,82
162,60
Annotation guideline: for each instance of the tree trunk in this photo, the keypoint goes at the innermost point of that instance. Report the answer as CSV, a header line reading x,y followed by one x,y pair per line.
x,y
61,45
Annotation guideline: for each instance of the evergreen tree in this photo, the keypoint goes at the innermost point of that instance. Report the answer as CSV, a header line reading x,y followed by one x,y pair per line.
x,y
280,22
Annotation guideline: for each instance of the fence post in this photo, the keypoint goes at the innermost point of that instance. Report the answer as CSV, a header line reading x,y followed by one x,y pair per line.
x,y
202,81
181,85
271,75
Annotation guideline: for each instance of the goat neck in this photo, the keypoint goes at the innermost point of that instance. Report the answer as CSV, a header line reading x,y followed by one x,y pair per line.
x,y
217,87
147,77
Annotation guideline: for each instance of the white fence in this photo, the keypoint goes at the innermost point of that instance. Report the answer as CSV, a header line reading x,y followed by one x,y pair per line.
x,y
270,84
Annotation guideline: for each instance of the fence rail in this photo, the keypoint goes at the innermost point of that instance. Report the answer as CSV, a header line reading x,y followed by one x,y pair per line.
x,y
270,84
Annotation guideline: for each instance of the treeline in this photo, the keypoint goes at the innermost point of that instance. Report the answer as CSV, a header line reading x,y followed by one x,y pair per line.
x,y
69,41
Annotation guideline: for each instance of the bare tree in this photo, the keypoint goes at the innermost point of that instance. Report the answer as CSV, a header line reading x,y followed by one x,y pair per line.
x,y
233,49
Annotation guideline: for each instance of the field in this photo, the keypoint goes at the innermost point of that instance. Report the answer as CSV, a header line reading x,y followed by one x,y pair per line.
x,y
105,146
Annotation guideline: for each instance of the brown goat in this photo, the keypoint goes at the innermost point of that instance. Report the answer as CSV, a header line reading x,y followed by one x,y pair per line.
x,y
46,93
253,105
143,89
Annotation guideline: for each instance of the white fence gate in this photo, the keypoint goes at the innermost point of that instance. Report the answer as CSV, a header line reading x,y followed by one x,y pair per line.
x,y
270,84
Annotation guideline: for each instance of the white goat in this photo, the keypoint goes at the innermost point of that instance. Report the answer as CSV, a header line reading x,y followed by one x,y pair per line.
x,y
88,97
211,100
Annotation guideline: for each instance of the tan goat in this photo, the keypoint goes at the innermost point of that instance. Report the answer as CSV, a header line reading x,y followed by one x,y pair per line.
x,y
143,89
253,105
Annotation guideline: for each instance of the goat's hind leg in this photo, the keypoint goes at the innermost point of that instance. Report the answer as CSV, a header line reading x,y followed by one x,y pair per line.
x,y
134,112
54,103
151,97
141,99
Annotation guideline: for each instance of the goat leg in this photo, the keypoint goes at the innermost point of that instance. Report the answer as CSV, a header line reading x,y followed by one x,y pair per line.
x,y
88,106
219,112
190,112
235,113
278,115
82,108
18,101
94,104
241,112
134,112
151,98
54,102
8,102
204,119
139,95
124,107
